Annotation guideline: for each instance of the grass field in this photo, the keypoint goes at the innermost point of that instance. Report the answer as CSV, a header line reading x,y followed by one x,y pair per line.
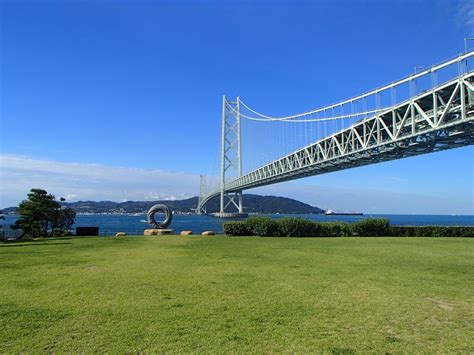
x,y
217,294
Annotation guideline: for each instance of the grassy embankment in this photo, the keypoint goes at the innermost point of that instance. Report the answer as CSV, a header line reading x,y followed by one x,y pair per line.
x,y
171,294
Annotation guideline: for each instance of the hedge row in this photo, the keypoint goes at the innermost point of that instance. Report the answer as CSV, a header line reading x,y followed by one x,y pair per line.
x,y
433,231
374,227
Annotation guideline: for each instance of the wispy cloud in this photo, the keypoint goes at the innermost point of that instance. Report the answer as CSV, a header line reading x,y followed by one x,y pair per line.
x,y
465,14
76,181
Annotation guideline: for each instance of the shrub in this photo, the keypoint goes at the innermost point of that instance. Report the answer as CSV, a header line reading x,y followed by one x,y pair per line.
x,y
433,231
372,227
262,226
236,228
297,227
335,229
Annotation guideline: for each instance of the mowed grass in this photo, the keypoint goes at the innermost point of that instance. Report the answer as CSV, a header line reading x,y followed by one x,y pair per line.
x,y
218,294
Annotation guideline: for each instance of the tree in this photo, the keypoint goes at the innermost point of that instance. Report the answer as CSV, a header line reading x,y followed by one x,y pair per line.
x,y
42,216
63,219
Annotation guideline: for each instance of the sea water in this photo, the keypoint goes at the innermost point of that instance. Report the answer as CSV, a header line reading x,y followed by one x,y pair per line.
x,y
136,223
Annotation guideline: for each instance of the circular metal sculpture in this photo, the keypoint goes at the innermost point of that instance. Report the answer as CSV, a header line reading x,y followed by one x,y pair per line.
x,y
159,208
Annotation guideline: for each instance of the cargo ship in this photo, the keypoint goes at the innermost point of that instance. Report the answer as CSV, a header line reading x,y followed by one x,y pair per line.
x,y
332,213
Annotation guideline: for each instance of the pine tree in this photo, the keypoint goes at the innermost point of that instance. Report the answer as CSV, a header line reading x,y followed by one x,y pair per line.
x,y
42,216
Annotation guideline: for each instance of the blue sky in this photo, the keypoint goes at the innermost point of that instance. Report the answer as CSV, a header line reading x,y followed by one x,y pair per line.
x,y
116,99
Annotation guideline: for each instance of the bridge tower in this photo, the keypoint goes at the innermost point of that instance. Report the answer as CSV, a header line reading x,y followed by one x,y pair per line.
x,y
231,157
202,195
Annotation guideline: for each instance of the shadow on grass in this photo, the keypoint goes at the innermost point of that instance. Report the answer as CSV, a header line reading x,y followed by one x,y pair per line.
x,y
28,244
25,242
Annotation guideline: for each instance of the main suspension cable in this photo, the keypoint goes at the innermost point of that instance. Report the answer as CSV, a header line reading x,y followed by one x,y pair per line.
x,y
409,79
287,119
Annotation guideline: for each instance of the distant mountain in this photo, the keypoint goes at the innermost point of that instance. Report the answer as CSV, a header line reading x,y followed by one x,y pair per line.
x,y
9,210
252,204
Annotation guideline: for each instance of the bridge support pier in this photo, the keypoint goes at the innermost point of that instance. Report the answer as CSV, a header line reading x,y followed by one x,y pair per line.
x,y
234,199
201,208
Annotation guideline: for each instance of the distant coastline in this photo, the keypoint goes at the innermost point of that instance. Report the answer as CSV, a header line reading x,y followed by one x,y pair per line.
x,y
253,204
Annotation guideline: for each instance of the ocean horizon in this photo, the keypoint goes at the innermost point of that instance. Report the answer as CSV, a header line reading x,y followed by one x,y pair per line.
x,y
136,223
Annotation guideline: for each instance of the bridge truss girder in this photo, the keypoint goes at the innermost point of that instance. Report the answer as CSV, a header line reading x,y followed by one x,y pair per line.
x,y
442,118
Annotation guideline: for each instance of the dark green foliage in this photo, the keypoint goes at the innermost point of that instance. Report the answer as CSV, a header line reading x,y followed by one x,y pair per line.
x,y
335,229
253,203
432,231
62,220
236,228
42,216
274,204
297,227
286,227
262,226
372,227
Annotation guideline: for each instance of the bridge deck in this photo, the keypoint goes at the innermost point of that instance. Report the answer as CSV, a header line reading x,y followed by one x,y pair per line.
x,y
442,118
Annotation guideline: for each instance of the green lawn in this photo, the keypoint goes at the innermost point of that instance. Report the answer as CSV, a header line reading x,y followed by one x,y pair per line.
x,y
218,294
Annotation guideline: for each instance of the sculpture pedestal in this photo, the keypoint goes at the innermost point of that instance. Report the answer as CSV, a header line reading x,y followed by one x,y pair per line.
x,y
158,231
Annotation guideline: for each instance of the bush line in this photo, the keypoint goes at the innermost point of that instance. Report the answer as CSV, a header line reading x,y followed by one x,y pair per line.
x,y
370,227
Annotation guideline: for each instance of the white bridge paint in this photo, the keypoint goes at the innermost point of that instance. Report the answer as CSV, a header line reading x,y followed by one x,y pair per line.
x,y
441,118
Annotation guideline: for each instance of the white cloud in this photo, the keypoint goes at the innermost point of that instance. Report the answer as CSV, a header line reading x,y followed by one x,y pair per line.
x,y
76,181
465,14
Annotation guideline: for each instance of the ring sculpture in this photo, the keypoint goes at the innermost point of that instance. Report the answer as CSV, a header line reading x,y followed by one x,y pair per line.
x,y
159,208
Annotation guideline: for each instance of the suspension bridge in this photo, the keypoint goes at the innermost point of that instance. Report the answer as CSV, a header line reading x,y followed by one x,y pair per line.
x,y
428,111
